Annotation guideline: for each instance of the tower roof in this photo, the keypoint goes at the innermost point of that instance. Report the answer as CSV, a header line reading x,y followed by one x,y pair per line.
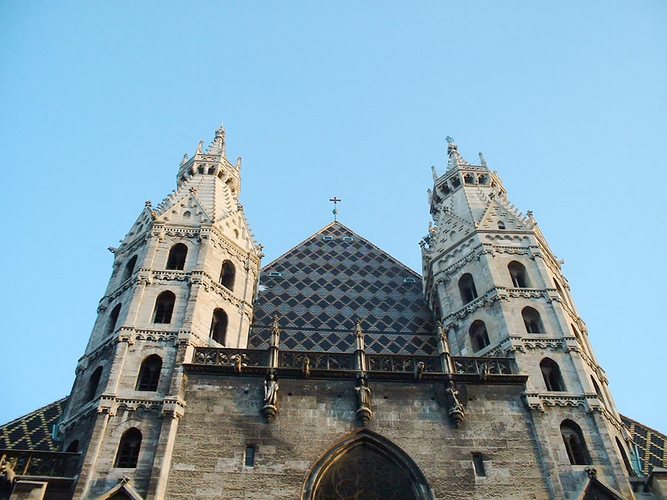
x,y
321,286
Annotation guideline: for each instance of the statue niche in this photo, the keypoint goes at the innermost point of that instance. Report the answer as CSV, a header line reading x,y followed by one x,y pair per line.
x,y
366,466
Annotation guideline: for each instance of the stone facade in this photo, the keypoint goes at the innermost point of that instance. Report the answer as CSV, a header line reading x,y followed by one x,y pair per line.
x,y
339,370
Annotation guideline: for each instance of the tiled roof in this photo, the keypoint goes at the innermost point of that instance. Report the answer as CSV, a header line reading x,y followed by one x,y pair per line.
x,y
322,285
650,443
33,431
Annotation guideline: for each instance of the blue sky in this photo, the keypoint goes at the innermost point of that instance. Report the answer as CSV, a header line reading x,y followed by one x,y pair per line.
x,y
100,100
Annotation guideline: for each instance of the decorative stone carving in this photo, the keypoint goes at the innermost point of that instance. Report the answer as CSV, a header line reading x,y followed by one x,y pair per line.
x,y
270,408
364,412
456,411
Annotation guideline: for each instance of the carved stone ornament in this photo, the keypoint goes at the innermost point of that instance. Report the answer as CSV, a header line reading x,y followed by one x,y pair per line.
x,y
456,411
364,412
270,408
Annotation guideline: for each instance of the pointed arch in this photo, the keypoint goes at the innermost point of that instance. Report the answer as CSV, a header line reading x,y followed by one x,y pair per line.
x,y
467,288
518,274
479,337
553,379
164,307
113,319
532,320
127,455
129,267
367,464
93,384
575,445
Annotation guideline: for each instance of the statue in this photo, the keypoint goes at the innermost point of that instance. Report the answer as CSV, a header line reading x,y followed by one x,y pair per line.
x,y
271,387
364,411
456,411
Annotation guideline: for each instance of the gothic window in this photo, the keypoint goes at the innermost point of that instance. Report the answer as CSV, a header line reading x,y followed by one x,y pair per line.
x,y
501,225
129,267
518,275
128,449
93,384
113,319
469,179
624,456
479,338
574,443
467,288
200,169
164,307
176,259
149,373
598,391
219,326
211,170
227,275
532,320
551,373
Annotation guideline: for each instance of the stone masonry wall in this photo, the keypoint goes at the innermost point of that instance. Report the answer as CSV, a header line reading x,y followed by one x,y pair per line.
x,y
222,418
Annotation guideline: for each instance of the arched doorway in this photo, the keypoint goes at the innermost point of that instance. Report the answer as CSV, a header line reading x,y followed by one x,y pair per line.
x,y
364,465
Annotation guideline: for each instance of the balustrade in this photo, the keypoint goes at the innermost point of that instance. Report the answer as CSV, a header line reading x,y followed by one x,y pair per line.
x,y
41,463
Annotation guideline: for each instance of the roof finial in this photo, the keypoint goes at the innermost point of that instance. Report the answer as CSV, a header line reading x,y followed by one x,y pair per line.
x,y
435,173
455,158
335,201
482,160
218,147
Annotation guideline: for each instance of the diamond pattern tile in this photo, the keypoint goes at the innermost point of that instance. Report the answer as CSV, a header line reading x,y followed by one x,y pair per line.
x,y
326,282
32,431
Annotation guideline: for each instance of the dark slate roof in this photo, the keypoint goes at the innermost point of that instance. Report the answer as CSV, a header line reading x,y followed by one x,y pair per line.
x,y
33,431
322,285
651,444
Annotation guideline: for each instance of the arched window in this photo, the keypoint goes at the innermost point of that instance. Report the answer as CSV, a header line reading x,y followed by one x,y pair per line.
x,y
129,268
624,456
467,288
501,225
177,256
149,373
518,274
93,384
164,307
366,465
532,320
598,391
113,319
227,275
128,449
574,443
551,373
73,447
479,338
219,326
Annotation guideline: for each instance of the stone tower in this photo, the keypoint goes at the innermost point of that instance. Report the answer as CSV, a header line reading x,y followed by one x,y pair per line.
x,y
184,276
498,290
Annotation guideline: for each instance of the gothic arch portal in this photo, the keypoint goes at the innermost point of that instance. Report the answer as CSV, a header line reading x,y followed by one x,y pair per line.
x,y
365,465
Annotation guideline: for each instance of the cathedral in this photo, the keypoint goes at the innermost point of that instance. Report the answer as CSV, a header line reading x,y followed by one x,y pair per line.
x,y
335,371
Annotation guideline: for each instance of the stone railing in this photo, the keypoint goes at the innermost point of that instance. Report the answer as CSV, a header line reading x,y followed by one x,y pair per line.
x,y
260,360
403,364
41,463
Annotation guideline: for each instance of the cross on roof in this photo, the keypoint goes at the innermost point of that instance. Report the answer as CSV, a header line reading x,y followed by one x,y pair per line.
x,y
335,201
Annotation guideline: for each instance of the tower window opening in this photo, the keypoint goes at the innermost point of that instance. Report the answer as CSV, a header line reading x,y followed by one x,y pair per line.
x,y
177,255
624,456
469,179
128,449
164,307
250,451
129,267
219,326
479,338
93,384
532,320
113,319
456,182
552,376
501,225
574,443
518,274
211,170
200,169
478,463
149,373
73,447
483,180
597,389
445,189
467,288
227,275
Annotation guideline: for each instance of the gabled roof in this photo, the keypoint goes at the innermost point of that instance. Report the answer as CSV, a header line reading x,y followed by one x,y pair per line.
x,y
33,431
320,287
